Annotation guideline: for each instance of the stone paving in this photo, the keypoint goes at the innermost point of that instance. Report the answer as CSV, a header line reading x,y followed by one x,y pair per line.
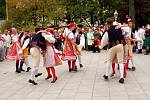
x,y
86,84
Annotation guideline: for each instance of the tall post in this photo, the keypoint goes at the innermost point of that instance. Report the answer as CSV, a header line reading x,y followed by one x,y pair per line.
x,y
132,8
6,10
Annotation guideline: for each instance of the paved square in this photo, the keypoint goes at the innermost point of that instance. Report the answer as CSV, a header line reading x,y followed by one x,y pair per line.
x,y
86,84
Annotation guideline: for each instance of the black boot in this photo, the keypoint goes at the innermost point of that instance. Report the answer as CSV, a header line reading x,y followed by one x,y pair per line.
x,y
81,65
140,50
33,82
121,80
146,52
17,67
39,74
28,69
105,77
21,65
133,68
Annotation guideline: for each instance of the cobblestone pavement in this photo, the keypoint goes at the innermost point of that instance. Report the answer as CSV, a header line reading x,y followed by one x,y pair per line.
x,y
86,84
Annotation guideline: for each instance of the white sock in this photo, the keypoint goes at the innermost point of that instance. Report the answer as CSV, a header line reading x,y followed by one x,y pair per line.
x,y
26,62
32,77
108,67
121,66
79,58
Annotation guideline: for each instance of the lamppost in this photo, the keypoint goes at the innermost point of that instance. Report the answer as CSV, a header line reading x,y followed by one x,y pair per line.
x,y
116,15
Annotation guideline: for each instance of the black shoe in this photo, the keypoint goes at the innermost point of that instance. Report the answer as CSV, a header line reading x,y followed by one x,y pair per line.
x,y
54,80
105,77
121,80
28,69
129,68
81,65
70,70
133,68
112,75
75,69
22,70
33,82
48,77
18,71
146,53
39,74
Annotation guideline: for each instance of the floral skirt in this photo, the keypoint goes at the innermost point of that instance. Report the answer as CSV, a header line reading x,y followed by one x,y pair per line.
x,y
51,58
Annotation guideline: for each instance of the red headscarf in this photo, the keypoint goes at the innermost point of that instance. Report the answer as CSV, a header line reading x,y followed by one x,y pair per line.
x,y
72,24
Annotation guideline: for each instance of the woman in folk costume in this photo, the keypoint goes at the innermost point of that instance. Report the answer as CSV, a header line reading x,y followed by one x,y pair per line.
x,y
15,51
130,42
50,57
69,52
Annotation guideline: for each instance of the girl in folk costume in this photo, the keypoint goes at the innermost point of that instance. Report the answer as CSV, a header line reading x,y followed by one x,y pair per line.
x,y
15,51
69,47
130,42
50,57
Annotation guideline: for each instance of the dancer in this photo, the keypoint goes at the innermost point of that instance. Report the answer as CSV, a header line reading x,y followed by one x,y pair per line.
x,y
50,57
80,41
25,44
69,52
115,40
37,43
15,51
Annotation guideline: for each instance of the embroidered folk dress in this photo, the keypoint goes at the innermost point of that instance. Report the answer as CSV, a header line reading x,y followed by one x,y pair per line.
x,y
15,49
50,57
69,52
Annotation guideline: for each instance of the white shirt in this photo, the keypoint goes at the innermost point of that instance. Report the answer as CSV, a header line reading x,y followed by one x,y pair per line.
x,y
48,37
140,34
82,40
105,40
90,38
126,31
7,39
69,34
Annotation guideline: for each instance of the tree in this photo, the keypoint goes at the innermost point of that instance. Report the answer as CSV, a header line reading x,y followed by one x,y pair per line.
x,y
93,9
24,13
2,9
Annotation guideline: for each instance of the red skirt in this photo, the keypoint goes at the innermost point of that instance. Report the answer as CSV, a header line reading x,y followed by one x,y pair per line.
x,y
12,52
97,42
68,51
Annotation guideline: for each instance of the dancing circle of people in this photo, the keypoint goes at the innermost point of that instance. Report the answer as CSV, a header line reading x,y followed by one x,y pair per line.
x,y
67,43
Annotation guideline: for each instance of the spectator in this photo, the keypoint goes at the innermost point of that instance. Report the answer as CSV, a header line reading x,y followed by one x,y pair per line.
x,y
90,38
2,56
7,39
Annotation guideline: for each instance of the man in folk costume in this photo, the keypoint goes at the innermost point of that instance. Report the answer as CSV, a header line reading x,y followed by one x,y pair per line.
x,y
115,40
69,52
80,41
37,43
15,51
140,36
25,44
50,57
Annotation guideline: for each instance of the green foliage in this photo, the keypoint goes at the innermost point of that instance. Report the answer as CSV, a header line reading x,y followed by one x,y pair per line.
x,y
24,13
2,8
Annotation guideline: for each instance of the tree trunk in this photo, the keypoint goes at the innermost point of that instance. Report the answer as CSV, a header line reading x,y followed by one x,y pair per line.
x,y
132,8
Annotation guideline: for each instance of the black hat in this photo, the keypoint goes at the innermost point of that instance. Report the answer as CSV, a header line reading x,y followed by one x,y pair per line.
x,y
80,25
